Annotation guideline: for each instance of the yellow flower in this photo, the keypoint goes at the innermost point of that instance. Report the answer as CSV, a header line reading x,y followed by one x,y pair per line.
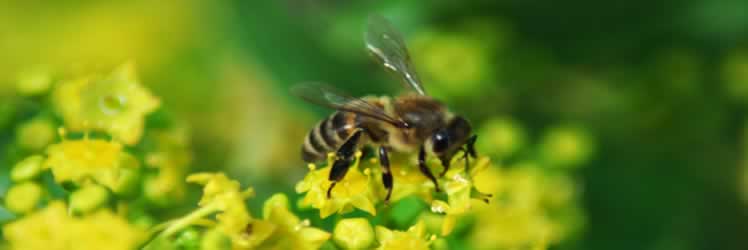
x,y
116,104
171,157
290,231
53,228
354,191
413,239
279,228
408,180
461,190
223,195
81,161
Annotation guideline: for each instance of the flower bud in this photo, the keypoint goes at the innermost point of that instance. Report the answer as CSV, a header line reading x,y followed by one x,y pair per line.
x,y
88,198
353,233
34,82
566,147
27,169
501,137
23,197
215,240
128,178
189,239
35,134
154,191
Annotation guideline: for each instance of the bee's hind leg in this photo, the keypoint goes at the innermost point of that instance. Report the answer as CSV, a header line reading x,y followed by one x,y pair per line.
x,y
384,160
425,169
343,160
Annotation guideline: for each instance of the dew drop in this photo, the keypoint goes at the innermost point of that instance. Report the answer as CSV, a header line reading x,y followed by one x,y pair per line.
x,y
112,104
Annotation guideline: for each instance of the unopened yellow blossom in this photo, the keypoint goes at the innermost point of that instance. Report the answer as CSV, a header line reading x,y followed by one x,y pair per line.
x,y
413,239
35,134
354,191
456,64
215,240
53,228
566,147
116,104
88,198
23,197
27,169
501,137
34,81
80,161
354,233
734,73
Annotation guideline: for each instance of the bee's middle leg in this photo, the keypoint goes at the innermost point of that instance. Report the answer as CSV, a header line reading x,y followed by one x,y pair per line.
x,y
343,159
384,160
425,169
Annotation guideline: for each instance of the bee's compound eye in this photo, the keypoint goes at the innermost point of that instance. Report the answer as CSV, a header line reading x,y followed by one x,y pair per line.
x,y
440,140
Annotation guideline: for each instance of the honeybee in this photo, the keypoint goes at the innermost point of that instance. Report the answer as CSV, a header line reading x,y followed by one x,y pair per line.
x,y
411,122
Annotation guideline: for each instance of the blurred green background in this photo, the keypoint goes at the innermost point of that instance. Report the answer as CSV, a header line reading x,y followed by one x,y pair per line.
x,y
662,87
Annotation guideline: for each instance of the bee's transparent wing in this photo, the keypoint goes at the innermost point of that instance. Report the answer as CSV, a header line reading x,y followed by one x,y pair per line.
x,y
387,45
327,96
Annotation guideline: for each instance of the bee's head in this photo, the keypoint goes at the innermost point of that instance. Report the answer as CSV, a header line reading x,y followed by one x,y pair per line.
x,y
447,140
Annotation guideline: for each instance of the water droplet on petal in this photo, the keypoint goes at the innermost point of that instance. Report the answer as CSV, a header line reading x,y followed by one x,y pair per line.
x,y
112,104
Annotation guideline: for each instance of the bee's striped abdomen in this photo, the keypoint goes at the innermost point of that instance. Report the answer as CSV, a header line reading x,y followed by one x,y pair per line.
x,y
327,136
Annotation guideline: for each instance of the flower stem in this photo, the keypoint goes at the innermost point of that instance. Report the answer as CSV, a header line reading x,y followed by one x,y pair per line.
x,y
188,220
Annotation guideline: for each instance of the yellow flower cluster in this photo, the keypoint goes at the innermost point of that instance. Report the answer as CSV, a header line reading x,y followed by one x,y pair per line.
x,y
536,200
530,211
53,228
93,172
279,228
353,191
362,189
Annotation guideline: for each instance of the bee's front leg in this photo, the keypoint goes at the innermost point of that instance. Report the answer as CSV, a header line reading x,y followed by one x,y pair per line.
x,y
425,169
470,145
384,160
470,151
343,160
